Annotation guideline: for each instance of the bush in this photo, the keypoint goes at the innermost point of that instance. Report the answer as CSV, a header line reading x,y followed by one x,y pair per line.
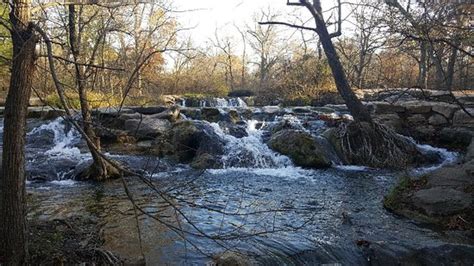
x,y
95,99
241,93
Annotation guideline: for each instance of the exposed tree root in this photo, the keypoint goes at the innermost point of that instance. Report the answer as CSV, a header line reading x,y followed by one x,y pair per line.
x,y
376,145
99,170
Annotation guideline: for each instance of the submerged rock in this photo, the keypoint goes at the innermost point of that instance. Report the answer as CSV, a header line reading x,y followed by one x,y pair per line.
x,y
301,147
386,253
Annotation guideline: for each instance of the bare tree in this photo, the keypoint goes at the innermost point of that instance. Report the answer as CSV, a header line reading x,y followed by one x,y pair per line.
x,y
442,32
263,40
355,106
367,39
363,141
226,46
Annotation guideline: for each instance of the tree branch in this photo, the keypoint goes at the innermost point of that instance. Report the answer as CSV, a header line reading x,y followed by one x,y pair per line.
x,y
287,24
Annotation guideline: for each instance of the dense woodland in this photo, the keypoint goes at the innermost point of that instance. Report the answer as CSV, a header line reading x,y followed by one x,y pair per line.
x,y
142,51
80,56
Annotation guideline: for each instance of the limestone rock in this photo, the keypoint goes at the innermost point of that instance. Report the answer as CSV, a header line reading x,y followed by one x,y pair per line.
x,y
456,135
445,109
462,119
437,120
386,108
211,114
172,114
147,127
190,139
416,107
417,119
301,147
442,201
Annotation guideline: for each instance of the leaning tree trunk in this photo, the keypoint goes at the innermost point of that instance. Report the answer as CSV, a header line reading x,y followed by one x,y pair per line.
x,y
13,239
357,109
363,141
100,169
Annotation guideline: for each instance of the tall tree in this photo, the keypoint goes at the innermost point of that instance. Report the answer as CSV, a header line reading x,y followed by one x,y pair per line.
x,y
364,141
357,109
100,169
13,247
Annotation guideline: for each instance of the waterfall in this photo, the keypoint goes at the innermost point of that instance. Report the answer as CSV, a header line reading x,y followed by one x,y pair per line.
x,y
216,102
250,151
64,138
447,157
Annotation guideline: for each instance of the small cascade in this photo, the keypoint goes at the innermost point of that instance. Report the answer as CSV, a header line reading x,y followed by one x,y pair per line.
x,y
218,102
64,138
250,151
446,157
237,102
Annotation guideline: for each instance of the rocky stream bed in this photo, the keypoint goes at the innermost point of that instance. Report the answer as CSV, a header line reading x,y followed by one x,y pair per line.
x,y
246,186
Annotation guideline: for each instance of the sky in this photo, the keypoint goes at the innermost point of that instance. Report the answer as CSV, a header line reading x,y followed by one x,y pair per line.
x,y
209,14
223,14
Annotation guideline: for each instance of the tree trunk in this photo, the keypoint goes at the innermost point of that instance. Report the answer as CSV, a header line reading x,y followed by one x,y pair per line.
x,y
356,108
451,65
13,248
423,65
100,169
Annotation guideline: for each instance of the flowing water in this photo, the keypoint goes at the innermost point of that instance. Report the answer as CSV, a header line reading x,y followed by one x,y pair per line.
x,y
259,204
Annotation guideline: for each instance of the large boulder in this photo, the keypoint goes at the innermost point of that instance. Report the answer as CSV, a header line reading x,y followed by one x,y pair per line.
x,y
445,109
150,110
172,114
192,113
301,147
190,140
237,130
456,135
285,125
417,107
387,108
211,114
442,201
470,151
437,120
443,197
147,127
461,118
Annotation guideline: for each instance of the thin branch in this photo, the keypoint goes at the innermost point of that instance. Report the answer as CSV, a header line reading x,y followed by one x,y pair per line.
x,y
287,24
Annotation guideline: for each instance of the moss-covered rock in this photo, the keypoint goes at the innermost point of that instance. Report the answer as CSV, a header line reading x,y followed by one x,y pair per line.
x,y
210,114
301,147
